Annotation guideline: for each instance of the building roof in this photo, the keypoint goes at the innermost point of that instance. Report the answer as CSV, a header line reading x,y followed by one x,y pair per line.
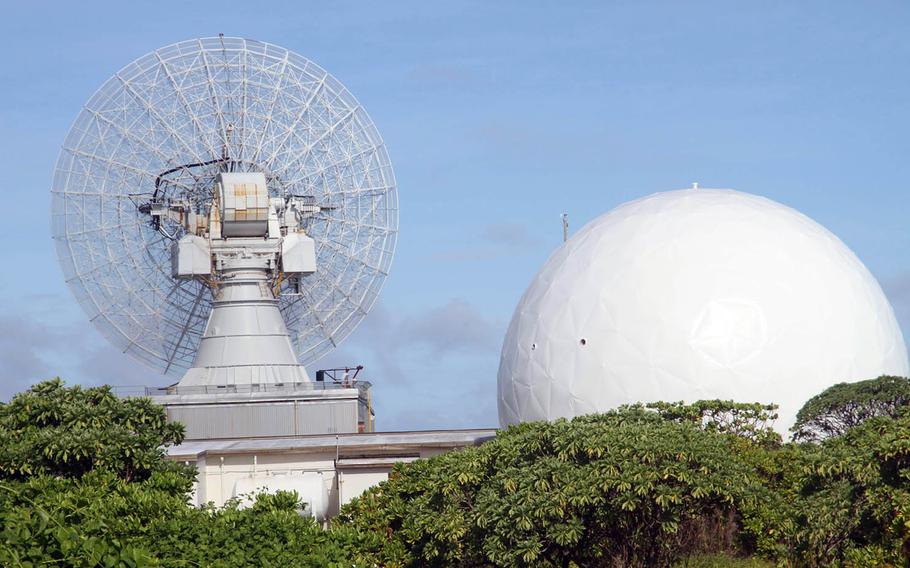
x,y
374,441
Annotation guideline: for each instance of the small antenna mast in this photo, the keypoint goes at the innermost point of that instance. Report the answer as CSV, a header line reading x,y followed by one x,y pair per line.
x,y
565,227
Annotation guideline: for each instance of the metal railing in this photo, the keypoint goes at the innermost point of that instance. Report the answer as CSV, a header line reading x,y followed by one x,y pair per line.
x,y
126,391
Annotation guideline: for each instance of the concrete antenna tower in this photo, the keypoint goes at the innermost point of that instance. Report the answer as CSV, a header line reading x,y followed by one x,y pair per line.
x,y
225,211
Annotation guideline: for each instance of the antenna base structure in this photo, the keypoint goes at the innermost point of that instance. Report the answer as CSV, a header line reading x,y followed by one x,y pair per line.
x,y
241,244
245,340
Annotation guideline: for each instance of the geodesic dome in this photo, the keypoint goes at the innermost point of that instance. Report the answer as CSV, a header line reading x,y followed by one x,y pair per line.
x,y
695,294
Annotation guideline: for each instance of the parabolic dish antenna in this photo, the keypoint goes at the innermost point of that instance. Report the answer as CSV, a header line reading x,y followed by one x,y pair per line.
x,y
141,170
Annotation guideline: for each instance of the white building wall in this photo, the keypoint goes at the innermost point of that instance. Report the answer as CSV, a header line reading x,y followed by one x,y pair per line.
x,y
349,463
352,484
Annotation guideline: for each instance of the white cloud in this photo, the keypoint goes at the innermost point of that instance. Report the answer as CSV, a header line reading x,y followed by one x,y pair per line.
x,y
430,369
434,369
23,349
36,348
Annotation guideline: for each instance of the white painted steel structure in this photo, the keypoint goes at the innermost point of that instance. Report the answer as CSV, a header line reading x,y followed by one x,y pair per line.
x,y
296,261
695,294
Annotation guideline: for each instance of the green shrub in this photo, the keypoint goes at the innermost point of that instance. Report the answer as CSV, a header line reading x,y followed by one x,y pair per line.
x,y
103,520
751,421
854,506
843,406
69,431
623,488
83,482
722,561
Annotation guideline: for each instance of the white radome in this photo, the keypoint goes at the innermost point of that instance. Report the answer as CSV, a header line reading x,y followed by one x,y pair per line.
x,y
695,294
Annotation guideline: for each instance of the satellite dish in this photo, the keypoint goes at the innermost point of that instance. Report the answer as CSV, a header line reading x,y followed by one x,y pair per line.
x,y
224,205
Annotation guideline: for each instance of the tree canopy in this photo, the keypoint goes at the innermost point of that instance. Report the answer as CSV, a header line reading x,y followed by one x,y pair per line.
x,y
623,488
84,482
847,405
647,486
69,431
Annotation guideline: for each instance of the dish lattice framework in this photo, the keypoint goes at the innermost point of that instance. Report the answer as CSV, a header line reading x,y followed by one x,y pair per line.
x,y
168,123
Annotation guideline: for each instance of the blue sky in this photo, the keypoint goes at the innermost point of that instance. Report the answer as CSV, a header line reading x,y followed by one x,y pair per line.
x,y
498,117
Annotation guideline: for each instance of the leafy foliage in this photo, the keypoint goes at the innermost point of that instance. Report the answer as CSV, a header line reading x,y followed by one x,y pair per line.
x,y
722,561
625,488
747,420
650,486
55,430
847,405
854,506
83,482
86,522
101,520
